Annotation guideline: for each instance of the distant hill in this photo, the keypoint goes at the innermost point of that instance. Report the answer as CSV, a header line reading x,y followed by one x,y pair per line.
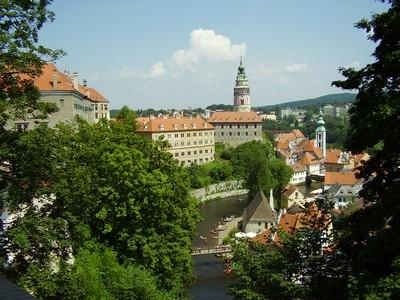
x,y
319,101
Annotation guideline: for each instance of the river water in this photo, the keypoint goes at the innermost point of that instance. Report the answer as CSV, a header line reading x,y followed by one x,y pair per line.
x,y
211,281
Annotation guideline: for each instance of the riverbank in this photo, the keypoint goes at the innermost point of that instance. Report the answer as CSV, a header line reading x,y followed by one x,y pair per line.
x,y
224,189
229,226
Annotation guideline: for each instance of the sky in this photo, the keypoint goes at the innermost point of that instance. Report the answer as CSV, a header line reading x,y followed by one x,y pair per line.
x,y
181,54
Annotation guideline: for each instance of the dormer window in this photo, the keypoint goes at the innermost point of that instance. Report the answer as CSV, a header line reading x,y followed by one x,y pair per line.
x,y
161,127
176,126
184,126
206,125
193,125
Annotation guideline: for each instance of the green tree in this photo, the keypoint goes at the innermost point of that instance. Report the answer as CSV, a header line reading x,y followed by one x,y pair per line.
x,y
21,58
127,116
98,183
256,163
371,237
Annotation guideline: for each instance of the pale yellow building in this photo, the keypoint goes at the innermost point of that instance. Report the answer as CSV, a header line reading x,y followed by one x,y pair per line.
x,y
191,140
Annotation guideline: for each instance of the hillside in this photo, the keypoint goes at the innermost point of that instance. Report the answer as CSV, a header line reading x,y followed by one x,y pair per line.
x,y
319,101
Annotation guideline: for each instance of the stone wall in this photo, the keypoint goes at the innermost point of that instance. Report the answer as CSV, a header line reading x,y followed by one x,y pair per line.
x,y
220,190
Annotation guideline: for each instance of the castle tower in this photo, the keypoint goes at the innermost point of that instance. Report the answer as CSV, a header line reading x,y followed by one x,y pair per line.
x,y
320,134
241,91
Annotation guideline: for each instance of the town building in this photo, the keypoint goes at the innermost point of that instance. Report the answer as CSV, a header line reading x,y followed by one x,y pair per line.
x,y
320,135
191,139
259,215
347,178
343,195
299,114
292,195
299,174
235,128
71,98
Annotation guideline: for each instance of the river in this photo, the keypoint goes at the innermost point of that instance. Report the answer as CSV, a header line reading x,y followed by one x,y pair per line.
x,y
210,279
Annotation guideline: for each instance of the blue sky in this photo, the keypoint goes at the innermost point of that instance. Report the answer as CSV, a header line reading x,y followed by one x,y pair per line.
x,y
180,54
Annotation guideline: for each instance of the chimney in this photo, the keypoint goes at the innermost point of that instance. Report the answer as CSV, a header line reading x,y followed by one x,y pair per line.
x,y
54,79
84,82
75,80
271,199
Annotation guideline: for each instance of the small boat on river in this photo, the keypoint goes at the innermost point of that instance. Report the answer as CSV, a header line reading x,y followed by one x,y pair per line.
x,y
204,238
220,227
230,218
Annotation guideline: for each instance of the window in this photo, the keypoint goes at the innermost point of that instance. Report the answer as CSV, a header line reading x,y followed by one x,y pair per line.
x,y
238,126
176,154
230,133
176,135
96,107
230,126
255,133
189,153
200,142
247,126
182,143
200,151
195,143
222,134
206,133
255,126
105,107
96,115
206,151
238,133
21,126
222,126
194,134
182,153
61,102
182,135
206,142
247,133
194,152
188,143
188,135
169,135
200,133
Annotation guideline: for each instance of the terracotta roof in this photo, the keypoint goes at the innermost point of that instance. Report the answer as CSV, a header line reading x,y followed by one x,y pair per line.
x,y
288,136
298,167
282,144
264,237
343,178
172,124
234,117
92,94
309,159
258,210
53,80
333,156
298,134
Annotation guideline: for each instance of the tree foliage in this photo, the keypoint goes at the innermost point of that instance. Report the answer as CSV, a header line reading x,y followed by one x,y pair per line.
x,y
257,164
81,183
21,58
371,237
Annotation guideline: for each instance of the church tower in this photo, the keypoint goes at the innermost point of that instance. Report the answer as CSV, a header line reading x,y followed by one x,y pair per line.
x,y
241,91
320,134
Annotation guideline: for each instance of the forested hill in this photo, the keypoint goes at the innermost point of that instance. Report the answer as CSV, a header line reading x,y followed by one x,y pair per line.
x,y
326,99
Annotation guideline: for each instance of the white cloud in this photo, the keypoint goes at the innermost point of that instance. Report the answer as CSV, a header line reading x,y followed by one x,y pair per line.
x,y
157,70
126,72
206,44
296,68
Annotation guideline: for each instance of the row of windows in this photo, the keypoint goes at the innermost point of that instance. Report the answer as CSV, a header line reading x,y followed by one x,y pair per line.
x,y
102,106
82,107
194,152
239,126
238,133
195,160
101,115
194,143
194,134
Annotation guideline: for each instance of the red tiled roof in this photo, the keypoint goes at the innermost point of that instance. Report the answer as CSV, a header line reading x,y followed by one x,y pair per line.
x,y
53,80
172,124
343,178
234,117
